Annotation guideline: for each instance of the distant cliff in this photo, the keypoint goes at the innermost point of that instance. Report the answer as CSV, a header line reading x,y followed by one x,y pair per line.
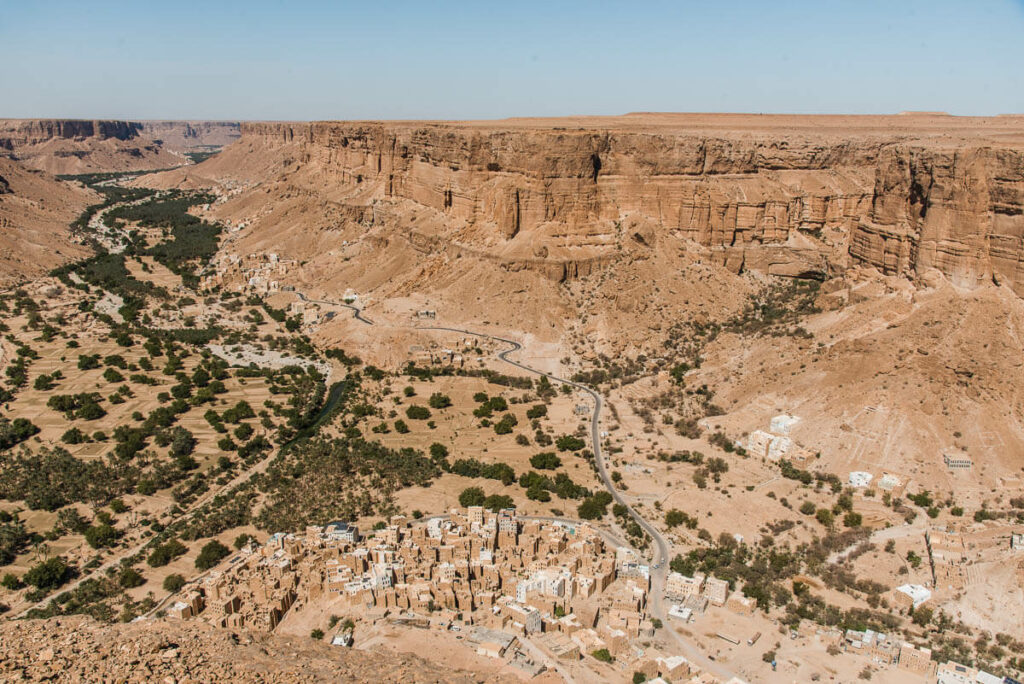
x,y
903,194
192,135
72,146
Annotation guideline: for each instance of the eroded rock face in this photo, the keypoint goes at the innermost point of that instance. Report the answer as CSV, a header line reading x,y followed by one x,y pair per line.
x,y
72,146
78,649
192,135
32,131
790,201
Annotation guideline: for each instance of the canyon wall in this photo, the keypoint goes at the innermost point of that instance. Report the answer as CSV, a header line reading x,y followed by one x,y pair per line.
x,y
16,133
192,135
790,200
72,146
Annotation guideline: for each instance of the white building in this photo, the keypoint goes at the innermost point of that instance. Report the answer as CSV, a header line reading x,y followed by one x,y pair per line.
x,y
917,593
860,479
782,424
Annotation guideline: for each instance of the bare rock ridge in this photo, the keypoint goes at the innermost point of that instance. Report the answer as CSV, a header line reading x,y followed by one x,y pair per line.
x,y
75,147
15,133
192,135
78,649
796,196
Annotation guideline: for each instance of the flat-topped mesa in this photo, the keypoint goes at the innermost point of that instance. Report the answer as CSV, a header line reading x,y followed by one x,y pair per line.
x,y
192,135
32,131
801,196
74,146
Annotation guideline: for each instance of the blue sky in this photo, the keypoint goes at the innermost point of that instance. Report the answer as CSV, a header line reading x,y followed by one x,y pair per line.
x,y
387,60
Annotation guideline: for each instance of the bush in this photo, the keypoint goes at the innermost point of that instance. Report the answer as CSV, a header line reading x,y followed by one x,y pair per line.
x,y
569,443
472,496
73,436
211,554
417,413
496,502
603,655
401,427
100,536
545,460
537,411
163,554
243,539
173,583
130,578
49,574
808,508
505,425
439,401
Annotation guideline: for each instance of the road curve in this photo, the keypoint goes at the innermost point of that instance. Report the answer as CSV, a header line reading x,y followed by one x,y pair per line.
x,y
357,313
660,561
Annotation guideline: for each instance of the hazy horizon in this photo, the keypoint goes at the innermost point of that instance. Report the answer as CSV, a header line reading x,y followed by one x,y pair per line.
x,y
461,61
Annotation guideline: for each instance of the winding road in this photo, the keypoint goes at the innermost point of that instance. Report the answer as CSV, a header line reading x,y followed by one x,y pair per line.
x,y
660,561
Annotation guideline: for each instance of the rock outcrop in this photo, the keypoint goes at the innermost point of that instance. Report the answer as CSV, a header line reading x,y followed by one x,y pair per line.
x,y
796,196
186,136
78,649
72,146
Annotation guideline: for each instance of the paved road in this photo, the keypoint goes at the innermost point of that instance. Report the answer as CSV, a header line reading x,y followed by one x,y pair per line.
x,y
660,561
357,313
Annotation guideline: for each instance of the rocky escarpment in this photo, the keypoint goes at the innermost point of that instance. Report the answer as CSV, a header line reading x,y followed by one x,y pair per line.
x,y
192,135
792,201
71,146
14,134
78,649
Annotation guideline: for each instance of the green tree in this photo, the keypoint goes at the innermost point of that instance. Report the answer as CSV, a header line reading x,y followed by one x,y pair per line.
x,y
211,554
48,574
100,536
472,496
173,583
417,413
545,460
569,443
439,401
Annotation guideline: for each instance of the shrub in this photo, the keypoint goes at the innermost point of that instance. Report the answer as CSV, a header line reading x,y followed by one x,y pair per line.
x,y
130,578
100,536
537,411
472,496
545,460
569,443
603,655
49,574
163,554
173,583
211,554
417,413
496,502
505,425
439,401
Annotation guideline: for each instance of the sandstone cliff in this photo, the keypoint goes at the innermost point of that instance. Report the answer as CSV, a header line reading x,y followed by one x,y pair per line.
x,y
70,146
807,198
183,136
